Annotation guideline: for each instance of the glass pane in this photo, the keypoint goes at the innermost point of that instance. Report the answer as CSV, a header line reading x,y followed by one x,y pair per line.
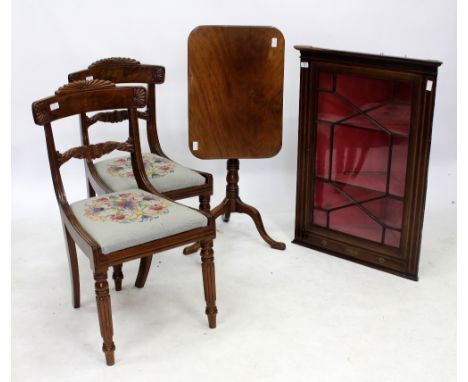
x,y
394,117
363,126
398,169
387,210
320,217
364,92
323,149
360,157
363,226
326,81
332,108
392,237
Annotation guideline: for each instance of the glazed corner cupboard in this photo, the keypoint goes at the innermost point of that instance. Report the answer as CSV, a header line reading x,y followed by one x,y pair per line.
x,y
365,126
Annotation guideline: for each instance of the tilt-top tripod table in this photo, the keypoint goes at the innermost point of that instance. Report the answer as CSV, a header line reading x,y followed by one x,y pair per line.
x,y
235,76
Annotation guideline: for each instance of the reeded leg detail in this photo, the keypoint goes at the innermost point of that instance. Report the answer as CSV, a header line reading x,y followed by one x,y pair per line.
x,y
118,276
73,266
204,206
143,270
209,284
105,315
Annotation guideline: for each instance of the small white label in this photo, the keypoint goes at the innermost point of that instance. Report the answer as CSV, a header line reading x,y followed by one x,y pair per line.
x,y
304,64
89,78
274,42
54,106
194,145
429,85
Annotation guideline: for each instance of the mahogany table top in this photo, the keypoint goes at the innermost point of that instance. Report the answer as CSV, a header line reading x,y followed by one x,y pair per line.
x,y
235,86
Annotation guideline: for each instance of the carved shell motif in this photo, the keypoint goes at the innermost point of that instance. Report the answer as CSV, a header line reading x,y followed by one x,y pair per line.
x,y
84,85
139,96
41,113
158,75
114,61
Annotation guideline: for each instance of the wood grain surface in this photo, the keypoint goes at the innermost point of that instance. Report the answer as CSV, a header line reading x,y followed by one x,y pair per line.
x,y
235,76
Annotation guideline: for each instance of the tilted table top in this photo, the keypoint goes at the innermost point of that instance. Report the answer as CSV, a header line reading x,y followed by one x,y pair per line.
x,y
235,85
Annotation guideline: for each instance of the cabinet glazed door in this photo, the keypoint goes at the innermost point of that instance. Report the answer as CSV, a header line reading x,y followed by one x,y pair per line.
x,y
362,131
364,136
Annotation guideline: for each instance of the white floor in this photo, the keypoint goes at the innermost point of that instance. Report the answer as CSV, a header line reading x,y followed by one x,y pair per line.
x,y
296,315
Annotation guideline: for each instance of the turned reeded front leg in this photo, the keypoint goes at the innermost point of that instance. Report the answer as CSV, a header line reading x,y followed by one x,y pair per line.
x,y
118,276
209,283
74,270
105,315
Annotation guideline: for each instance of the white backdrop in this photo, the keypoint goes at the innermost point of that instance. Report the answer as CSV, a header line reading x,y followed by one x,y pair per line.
x,y
51,38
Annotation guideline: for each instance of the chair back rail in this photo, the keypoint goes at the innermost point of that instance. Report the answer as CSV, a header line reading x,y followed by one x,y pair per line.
x,y
121,70
94,151
112,117
86,96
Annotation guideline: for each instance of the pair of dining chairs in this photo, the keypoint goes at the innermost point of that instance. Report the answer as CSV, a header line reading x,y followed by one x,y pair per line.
x,y
130,212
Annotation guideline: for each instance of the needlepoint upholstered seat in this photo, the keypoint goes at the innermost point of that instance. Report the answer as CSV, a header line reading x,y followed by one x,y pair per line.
x,y
164,174
124,219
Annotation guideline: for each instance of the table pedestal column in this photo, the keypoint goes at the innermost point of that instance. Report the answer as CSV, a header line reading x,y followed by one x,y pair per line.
x,y
233,203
